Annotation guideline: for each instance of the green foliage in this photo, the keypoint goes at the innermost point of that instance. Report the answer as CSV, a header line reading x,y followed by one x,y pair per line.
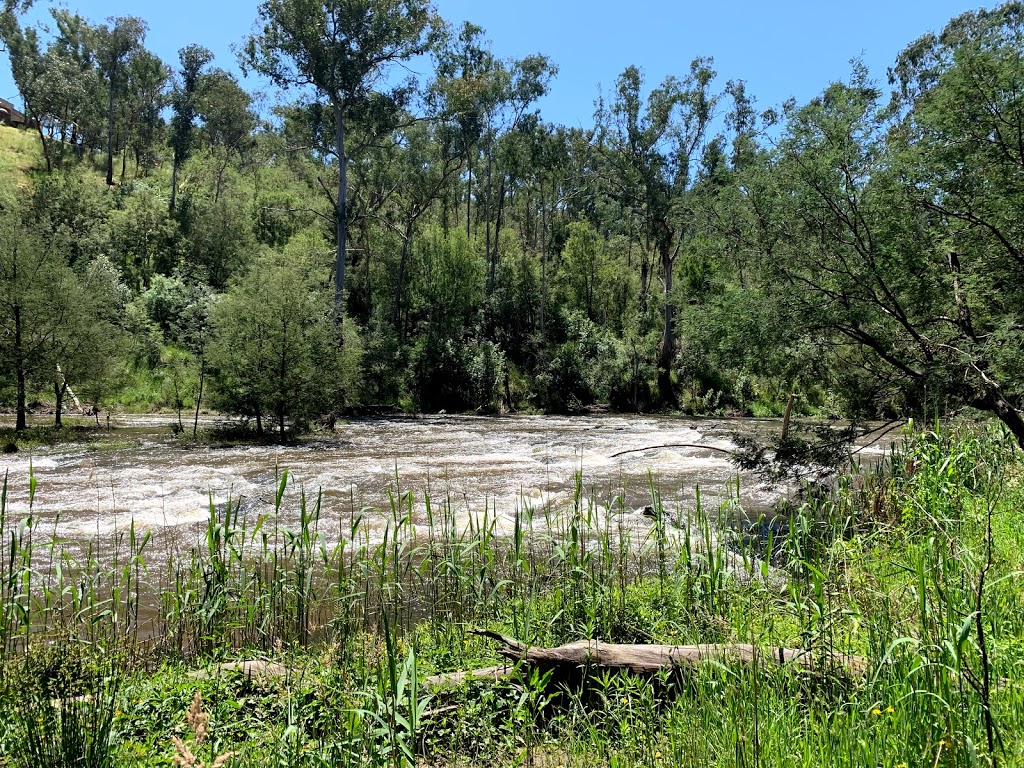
x,y
574,376
275,346
143,237
866,256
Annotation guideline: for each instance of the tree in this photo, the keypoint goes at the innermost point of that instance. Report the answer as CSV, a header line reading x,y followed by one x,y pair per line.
x,y
648,155
344,50
39,297
185,103
146,80
580,264
228,121
461,93
61,85
84,346
271,353
116,45
891,246
508,125
960,158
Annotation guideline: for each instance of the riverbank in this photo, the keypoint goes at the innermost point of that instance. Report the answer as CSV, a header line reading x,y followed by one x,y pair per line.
x,y
911,568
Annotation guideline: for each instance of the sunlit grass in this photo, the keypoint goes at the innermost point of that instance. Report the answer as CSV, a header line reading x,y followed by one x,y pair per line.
x,y
19,155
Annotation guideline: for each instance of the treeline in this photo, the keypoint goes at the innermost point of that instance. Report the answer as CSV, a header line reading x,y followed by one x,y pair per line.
x,y
435,244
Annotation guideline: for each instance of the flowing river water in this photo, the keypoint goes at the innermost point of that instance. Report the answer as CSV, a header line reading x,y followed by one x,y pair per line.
x,y
144,475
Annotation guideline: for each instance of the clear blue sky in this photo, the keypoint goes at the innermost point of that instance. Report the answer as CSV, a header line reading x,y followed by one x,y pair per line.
x,y
782,48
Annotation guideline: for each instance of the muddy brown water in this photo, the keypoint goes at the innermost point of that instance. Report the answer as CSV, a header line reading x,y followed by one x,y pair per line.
x,y
144,475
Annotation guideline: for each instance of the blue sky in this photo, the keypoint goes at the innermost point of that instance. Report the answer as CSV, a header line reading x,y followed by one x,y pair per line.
x,y
783,48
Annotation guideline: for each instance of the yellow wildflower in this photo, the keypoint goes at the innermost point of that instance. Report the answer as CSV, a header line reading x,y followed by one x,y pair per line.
x,y
876,711
657,755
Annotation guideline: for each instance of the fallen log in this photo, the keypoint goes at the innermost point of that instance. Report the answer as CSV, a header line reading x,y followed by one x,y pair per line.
x,y
649,659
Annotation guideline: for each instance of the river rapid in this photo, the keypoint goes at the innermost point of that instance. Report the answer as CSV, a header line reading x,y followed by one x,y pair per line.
x,y
144,475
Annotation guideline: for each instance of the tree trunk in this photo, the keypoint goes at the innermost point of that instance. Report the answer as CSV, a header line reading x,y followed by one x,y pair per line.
x,y
668,342
400,280
219,186
997,403
340,212
174,182
199,394
19,365
469,189
45,144
497,234
282,403
584,656
543,263
259,421
110,128
487,215
58,400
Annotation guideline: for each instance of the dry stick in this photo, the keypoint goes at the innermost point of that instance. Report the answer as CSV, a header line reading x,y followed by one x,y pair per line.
x,y
673,445
893,424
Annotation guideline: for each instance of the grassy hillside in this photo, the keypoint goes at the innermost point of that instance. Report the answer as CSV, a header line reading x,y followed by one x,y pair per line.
x,y
19,154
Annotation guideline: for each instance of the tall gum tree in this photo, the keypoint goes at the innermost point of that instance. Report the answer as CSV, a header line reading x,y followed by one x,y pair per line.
x,y
185,98
648,154
344,50
116,45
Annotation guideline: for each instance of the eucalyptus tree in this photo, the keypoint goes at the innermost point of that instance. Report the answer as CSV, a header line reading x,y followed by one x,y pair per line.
x,y
185,104
463,92
546,169
520,83
117,43
419,172
60,84
228,122
648,155
145,98
343,50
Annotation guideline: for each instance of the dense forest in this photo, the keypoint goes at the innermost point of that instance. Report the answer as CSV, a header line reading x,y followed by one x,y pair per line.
x,y
433,243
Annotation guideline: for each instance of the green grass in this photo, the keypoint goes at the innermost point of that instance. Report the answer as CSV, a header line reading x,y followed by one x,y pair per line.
x,y
887,568
19,156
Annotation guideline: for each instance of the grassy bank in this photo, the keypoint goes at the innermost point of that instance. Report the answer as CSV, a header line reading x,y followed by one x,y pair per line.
x,y
913,566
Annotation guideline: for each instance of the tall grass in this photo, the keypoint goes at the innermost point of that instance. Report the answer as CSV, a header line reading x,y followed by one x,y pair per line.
x,y
912,564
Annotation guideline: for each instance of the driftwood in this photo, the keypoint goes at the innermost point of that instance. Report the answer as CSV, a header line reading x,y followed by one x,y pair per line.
x,y
649,659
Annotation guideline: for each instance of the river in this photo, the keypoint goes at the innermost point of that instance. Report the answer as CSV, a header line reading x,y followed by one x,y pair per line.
x,y
143,474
